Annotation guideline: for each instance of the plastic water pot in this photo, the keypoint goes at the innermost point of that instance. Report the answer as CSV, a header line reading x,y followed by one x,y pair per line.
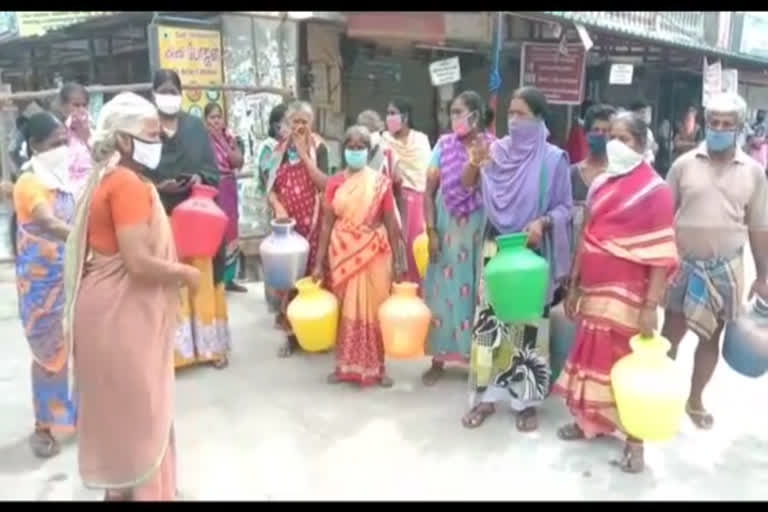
x,y
284,255
745,347
314,316
516,280
650,390
404,320
198,224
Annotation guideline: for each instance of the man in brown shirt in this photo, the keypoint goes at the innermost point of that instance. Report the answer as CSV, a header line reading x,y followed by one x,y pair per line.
x,y
721,197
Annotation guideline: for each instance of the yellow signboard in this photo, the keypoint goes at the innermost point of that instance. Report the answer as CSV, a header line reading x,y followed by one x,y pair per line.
x,y
35,23
195,54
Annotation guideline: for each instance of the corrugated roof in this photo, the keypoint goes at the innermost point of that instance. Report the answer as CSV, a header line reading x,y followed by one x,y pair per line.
x,y
594,19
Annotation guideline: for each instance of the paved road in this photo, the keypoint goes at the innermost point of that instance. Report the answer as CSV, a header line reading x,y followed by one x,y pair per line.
x,y
269,429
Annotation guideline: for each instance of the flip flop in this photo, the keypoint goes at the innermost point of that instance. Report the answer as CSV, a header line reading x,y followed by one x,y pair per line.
x,y
527,420
44,445
477,415
701,418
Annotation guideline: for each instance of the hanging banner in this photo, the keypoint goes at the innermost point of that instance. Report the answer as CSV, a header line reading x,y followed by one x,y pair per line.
x,y
195,54
730,80
712,81
559,76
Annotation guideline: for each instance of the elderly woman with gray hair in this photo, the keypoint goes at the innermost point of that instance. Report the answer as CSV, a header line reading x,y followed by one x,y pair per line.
x,y
122,283
298,172
357,235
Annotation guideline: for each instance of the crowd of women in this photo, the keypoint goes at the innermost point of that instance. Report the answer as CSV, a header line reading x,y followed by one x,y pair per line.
x,y
98,276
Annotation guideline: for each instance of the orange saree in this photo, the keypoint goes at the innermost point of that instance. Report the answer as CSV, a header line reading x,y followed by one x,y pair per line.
x,y
122,329
360,260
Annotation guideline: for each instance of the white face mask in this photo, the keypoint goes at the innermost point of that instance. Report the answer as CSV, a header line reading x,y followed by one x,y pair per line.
x,y
168,104
147,153
53,167
621,158
375,139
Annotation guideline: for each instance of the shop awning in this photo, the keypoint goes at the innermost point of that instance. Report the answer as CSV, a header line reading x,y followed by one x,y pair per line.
x,y
638,26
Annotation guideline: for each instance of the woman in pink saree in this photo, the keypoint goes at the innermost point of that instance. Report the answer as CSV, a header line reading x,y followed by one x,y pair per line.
x,y
122,284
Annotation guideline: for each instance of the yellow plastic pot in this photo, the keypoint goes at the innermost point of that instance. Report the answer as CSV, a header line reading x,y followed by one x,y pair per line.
x,y
314,316
404,320
650,390
421,253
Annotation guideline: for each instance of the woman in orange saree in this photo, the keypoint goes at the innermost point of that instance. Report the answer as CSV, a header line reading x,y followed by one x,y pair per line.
x,y
625,257
122,284
357,235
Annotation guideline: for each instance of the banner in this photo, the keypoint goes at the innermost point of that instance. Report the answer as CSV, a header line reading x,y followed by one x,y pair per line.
x,y
712,81
195,54
556,70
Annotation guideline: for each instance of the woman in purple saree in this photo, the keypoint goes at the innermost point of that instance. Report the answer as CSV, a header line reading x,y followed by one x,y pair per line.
x,y
526,187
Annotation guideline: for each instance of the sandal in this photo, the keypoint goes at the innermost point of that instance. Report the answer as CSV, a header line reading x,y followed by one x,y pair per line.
x,y
527,420
633,460
701,418
477,415
220,364
432,375
44,445
386,382
571,432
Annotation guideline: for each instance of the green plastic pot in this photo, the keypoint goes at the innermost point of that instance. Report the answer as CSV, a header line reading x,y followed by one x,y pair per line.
x,y
516,280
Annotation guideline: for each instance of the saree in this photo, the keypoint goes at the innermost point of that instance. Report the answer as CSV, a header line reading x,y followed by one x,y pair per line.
x,y
39,283
202,334
80,166
413,157
630,228
227,200
525,180
450,287
122,332
298,194
360,261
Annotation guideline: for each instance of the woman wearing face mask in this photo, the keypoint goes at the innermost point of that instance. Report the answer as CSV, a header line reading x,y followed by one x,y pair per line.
x,y
526,187
44,205
625,257
597,123
357,235
73,107
455,221
381,157
412,152
298,171
229,159
122,280
187,159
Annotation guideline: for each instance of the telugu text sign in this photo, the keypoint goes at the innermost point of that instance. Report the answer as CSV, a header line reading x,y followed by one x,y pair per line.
x,y
195,54
559,77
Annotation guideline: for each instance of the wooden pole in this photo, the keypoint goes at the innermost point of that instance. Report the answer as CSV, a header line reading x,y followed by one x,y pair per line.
x,y
143,87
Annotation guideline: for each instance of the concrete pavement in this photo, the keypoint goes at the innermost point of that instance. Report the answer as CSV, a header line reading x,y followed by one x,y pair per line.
x,y
271,429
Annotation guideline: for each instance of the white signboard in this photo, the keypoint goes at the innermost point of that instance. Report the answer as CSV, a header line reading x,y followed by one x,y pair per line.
x,y
621,74
730,80
444,72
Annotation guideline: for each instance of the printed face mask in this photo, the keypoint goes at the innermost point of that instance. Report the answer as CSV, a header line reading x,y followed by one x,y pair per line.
x,y
168,104
356,158
147,153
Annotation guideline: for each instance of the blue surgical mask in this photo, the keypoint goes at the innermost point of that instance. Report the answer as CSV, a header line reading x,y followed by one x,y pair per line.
x,y
293,156
720,140
597,143
356,158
